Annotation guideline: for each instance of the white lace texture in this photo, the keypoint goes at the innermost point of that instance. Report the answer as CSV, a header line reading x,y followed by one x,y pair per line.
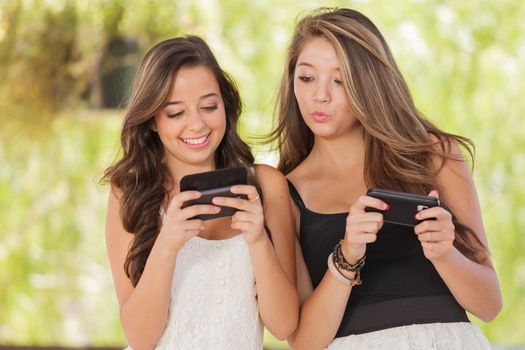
x,y
213,298
432,336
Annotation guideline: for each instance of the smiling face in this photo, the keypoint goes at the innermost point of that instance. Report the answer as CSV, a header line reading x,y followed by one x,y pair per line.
x,y
319,90
193,121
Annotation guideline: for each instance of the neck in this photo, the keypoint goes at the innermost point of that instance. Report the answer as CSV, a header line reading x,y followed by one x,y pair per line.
x,y
340,154
179,169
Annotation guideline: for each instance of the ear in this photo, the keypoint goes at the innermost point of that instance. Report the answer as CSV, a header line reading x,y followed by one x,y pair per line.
x,y
152,124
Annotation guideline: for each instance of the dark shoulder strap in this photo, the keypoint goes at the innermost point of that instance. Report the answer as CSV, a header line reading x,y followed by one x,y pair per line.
x,y
295,195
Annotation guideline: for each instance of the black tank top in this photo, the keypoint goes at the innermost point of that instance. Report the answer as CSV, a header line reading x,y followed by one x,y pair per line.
x,y
400,286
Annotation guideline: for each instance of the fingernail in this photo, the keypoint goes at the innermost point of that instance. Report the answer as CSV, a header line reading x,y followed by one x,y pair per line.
x,y
387,206
416,217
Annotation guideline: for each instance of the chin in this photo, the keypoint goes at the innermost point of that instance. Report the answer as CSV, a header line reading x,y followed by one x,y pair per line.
x,y
199,159
323,131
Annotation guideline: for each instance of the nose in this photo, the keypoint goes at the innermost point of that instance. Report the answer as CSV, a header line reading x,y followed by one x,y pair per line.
x,y
195,122
322,93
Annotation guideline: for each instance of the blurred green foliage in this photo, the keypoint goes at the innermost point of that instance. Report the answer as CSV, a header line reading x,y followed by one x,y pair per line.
x,y
464,62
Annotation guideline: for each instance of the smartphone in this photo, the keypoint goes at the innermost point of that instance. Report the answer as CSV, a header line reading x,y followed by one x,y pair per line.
x,y
403,206
212,184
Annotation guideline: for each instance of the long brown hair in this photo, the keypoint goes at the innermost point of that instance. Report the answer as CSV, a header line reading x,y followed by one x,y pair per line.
x,y
140,175
397,136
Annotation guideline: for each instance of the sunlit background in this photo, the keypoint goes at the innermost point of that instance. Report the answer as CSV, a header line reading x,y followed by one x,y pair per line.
x,y
65,68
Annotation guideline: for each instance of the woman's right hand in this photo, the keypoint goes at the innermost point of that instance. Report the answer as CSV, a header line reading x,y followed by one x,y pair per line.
x,y
177,226
362,227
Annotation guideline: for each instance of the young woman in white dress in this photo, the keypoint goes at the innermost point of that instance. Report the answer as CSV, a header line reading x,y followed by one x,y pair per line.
x,y
185,283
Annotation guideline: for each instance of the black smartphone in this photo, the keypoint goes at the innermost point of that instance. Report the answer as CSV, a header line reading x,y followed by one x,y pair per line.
x,y
212,184
403,206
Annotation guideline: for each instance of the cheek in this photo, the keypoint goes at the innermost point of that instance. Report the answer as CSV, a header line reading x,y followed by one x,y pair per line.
x,y
301,93
342,103
217,121
168,128
298,91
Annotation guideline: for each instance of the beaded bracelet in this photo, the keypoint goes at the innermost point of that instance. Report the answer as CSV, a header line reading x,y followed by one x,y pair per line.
x,y
341,262
339,276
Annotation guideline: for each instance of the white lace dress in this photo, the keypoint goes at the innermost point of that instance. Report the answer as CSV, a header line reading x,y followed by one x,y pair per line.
x,y
431,336
213,298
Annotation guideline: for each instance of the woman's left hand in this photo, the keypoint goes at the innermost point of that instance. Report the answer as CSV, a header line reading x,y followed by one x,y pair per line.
x,y
249,218
436,236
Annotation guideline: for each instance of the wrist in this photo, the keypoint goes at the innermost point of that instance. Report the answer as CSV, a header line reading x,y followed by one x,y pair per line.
x,y
351,275
348,278
260,241
165,250
349,256
167,244
341,260
444,259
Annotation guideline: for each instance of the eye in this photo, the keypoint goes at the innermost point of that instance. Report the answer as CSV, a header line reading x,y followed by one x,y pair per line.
x,y
210,108
305,78
175,115
338,81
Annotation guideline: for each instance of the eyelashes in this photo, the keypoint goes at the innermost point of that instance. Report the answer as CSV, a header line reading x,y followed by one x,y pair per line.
x,y
210,108
174,115
205,109
307,79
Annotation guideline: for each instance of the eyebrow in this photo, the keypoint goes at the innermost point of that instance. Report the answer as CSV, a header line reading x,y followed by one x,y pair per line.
x,y
304,64
200,98
311,65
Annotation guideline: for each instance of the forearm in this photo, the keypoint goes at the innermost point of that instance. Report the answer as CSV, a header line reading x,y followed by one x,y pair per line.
x,y
321,314
144,314
276,295
475,286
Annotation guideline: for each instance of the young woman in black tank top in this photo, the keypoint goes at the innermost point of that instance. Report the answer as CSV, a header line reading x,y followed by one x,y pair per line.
x,y
347,123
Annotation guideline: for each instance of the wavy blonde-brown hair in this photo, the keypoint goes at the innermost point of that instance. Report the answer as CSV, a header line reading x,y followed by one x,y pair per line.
x,y
398,146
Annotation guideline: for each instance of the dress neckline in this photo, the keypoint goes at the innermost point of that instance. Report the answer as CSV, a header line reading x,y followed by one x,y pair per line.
x,y
162,214
217,241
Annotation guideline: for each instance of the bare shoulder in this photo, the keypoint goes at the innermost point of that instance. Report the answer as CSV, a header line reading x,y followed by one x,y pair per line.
x,y
449,162
301,173
275,191
270,178
116,236
294,176
453,176
113,219
446,146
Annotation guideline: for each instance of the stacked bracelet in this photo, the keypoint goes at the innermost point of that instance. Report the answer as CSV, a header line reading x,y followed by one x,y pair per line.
x,y
339,276
341,262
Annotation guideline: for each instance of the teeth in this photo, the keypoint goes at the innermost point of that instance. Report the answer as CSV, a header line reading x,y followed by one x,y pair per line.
x,y
196,141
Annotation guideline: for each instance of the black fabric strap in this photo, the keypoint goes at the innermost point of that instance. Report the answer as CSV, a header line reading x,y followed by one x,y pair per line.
x,y
295,195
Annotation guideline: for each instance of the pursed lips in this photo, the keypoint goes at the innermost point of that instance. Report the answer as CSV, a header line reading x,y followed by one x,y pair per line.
x,y
320,116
